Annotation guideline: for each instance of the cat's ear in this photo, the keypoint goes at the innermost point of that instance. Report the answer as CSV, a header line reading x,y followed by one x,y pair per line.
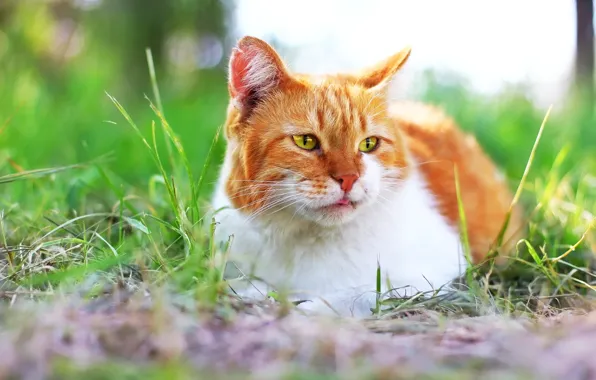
x,y
255,69
382,73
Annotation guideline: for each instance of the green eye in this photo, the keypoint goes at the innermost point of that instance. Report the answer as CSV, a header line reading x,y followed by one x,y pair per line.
x,y
368,144
308,142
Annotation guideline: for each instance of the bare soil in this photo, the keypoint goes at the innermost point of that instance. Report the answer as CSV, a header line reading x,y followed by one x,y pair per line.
x,y
265,341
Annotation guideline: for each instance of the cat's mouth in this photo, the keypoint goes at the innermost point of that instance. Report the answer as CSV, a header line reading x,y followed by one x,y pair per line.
x,y
343,202
342,205
336,212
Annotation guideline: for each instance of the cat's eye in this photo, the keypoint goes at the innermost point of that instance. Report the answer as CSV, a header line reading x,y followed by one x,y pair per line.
x,y
368,144
308,142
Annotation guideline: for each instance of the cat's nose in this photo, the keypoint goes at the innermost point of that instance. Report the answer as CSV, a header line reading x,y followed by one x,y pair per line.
x,y
346,181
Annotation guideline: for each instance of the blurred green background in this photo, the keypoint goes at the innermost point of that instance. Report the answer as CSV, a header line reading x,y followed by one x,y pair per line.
x,y
59,58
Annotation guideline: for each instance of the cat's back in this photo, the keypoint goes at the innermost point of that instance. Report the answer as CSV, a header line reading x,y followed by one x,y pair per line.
x,y
438,144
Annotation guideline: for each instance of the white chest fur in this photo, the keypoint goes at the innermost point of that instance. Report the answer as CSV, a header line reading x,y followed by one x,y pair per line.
x,y
415,247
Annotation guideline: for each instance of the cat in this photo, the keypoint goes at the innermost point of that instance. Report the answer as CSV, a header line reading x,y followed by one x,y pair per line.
x,y
326,179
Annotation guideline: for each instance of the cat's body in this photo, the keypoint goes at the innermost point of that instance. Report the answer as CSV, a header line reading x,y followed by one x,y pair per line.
x,y
325,181
340,265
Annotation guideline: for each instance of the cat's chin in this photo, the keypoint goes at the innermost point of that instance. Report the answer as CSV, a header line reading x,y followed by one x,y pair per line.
x,y
334,214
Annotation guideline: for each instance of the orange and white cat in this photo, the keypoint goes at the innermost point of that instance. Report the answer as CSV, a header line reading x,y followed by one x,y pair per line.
x,y
325,178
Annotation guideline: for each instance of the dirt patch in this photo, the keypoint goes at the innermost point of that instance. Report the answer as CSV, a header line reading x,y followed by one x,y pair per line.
x,y
265,342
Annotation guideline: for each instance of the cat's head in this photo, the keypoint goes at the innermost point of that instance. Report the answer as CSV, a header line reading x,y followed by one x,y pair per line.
x,y
319,149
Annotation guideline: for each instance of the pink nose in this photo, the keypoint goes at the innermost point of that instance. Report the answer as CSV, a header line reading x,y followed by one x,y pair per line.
x,y
346,181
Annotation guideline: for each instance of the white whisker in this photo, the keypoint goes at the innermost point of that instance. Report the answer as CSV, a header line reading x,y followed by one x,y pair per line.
x,y
262,211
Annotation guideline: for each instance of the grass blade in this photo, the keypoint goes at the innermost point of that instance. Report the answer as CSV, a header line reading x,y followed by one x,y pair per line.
x,y
522,182
36,173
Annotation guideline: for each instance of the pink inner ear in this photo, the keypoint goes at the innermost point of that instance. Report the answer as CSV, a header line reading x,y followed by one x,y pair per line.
x,y
239,65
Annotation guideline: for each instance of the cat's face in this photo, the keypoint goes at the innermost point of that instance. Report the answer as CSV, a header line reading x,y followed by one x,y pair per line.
x,y
320,150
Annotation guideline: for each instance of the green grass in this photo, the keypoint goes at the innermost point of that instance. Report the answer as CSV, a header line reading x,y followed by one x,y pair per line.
x,y
85,202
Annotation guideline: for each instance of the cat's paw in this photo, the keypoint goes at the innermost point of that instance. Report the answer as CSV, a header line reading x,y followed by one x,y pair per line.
x,y
336,306
317,306
249,290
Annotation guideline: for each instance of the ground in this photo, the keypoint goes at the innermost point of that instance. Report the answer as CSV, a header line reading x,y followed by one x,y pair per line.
x,y
137,335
